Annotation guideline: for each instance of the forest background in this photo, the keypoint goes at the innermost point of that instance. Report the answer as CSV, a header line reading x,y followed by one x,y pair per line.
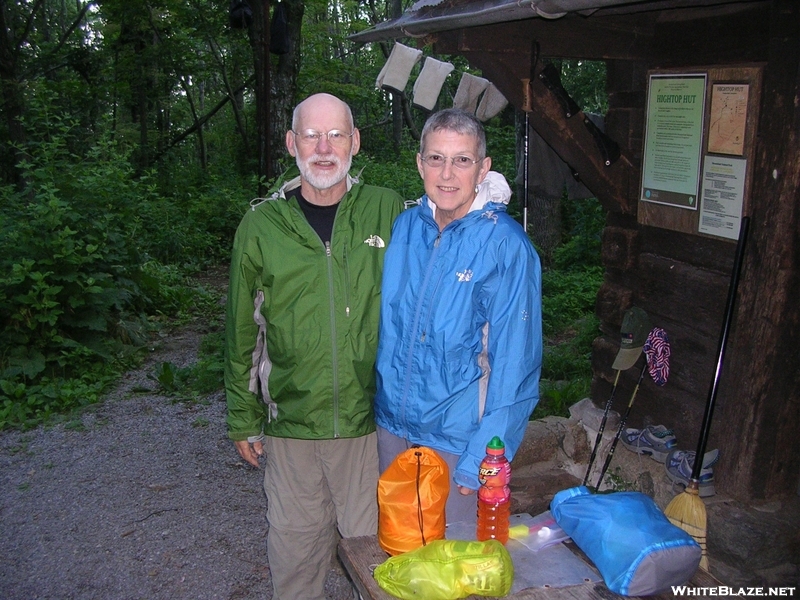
x,y
134,133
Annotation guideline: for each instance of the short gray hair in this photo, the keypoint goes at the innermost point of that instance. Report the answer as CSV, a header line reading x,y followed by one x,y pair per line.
x,y
457,120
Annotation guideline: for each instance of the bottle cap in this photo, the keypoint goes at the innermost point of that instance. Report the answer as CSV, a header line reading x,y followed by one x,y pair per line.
x,y
495,446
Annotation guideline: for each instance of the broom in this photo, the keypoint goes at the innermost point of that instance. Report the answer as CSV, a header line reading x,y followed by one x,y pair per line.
x,y
687,510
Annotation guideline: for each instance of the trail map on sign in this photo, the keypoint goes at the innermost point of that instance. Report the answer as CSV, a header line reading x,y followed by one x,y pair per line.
x,y
728,119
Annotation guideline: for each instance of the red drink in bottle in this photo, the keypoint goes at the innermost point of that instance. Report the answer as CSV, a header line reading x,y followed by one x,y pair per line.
x,y
494,495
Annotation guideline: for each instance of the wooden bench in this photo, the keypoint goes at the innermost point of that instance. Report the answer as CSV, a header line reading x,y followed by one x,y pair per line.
x,y
362,554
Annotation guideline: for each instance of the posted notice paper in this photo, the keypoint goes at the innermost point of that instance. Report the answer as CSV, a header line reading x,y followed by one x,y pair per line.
x,y
723,196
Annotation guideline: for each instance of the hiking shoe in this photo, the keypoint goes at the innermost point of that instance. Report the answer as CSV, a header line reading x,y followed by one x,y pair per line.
x,y
679,465
655,440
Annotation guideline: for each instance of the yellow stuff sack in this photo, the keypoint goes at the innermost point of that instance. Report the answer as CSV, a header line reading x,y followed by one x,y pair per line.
x,y
448,569
412,493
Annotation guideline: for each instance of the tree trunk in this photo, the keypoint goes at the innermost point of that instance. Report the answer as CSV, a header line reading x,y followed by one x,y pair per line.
x,y
201,144
13,105
395,10
259,39
284,83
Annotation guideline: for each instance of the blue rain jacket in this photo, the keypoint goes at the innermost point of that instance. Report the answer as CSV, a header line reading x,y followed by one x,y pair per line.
x,y
460,344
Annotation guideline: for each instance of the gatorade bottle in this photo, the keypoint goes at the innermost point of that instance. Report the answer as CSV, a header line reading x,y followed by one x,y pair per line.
x,y
494,495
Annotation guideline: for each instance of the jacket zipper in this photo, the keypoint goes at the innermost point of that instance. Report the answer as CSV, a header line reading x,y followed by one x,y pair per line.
x,y
346,284
332,310
436,244
417,316
334,356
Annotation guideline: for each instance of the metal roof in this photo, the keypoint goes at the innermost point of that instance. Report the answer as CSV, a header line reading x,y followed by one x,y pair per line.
x,y
431,16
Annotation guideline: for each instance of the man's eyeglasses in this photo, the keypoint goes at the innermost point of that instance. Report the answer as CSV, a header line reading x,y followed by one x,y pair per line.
x,y
437,161
336,137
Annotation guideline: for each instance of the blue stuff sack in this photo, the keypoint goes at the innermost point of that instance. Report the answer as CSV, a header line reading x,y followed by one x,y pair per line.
x,y
627,537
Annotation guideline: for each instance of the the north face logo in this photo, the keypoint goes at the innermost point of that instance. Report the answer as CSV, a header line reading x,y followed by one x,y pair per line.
x,y
375,241
465,275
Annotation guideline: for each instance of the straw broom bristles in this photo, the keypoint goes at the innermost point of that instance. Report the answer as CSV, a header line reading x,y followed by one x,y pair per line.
x,y
687,511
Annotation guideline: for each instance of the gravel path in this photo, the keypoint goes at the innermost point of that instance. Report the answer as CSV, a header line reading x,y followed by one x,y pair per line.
x,y
142,497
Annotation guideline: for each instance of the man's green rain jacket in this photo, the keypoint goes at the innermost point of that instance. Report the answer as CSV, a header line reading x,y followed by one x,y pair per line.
x,y
302,317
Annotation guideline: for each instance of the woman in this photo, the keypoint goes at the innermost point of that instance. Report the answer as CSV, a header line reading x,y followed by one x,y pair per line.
x,y
460,346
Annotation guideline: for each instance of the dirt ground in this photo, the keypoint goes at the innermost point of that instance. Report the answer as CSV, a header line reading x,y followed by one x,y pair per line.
x,y
141,497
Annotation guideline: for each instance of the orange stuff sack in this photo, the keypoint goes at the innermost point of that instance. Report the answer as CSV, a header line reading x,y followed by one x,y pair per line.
x,y
412,493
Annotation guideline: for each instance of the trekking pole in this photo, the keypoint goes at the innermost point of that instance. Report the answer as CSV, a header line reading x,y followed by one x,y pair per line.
x,y
621,427
601,429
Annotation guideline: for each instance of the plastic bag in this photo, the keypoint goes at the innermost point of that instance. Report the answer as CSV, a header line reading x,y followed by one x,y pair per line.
x,y
412,493
627,537
448,569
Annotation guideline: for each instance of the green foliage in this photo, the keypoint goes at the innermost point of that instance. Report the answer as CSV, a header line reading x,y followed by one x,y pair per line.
x,y
24,405
91,257
567,296
399,174
617,483
169,377
105,214
555,397
585,82
207,373
583,221
199,379
569,293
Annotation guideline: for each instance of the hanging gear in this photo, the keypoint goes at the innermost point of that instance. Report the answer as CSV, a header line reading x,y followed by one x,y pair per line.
x,y
240,14
279,38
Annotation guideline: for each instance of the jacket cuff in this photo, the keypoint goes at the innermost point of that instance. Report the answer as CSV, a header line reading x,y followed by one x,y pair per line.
x,y
240,436
467,481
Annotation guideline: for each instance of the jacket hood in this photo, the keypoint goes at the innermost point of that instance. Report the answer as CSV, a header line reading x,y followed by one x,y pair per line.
x,y
290,180
294,183
493,189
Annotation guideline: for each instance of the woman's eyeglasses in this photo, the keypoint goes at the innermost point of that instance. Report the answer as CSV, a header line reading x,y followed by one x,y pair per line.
x,y
437,161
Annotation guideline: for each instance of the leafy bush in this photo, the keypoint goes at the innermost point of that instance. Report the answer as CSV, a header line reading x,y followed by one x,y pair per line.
x,y
202,378
583,220
568,296
89,254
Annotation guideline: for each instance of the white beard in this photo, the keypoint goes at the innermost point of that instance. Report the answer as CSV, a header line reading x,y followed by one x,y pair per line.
x,y
324,181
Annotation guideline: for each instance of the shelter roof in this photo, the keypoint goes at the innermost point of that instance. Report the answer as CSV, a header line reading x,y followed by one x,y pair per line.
x,y
431,16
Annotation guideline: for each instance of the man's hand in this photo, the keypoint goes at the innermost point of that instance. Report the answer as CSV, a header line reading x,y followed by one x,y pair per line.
x,y
465,491
249,452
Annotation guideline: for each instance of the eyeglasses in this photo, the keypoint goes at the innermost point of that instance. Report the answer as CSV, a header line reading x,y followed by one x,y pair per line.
x,y
437,161
336,137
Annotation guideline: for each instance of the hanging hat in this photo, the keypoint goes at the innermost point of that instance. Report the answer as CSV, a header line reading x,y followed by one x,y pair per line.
x,y
634,332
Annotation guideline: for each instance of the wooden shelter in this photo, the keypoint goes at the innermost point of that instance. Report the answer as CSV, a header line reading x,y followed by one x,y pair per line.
x,y
673,257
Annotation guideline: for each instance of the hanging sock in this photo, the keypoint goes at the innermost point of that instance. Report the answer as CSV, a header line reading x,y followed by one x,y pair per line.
x,y
395,73
430,82
492,103
468,92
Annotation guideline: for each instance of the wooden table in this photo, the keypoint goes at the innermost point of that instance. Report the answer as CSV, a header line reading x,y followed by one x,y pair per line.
x,y
362,554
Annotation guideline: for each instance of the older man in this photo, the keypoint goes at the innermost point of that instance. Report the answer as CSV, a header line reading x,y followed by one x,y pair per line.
x,y
302,322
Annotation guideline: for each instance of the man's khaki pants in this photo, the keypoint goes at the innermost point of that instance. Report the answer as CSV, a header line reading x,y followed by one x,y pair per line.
x,y
312,488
